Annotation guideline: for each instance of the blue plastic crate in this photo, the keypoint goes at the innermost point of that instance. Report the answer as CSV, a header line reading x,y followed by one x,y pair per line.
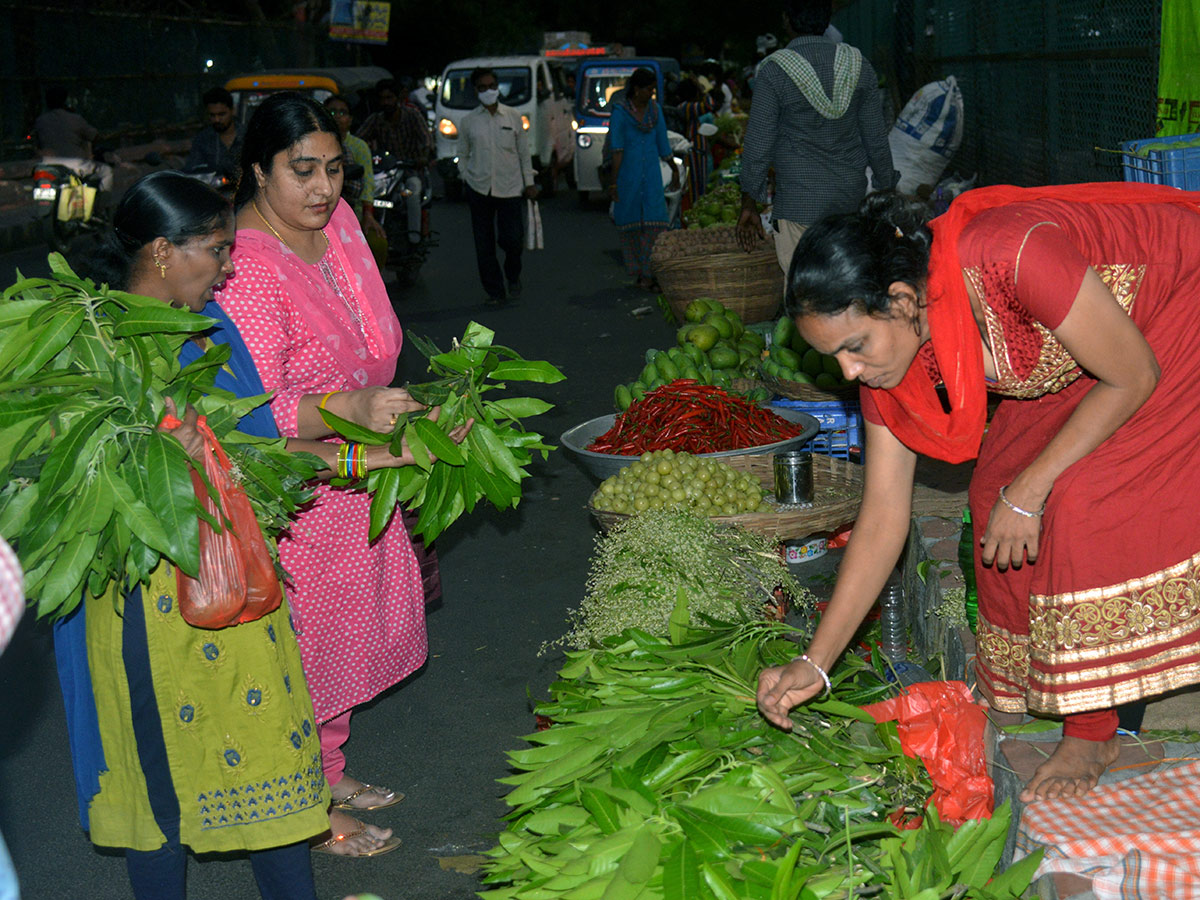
x,y
841,433
1179,167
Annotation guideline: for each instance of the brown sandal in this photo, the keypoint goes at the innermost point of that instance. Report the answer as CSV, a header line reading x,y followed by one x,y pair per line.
x,y
347,802
327,845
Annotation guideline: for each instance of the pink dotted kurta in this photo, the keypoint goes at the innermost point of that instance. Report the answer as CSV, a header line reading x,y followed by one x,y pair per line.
x,y
358,606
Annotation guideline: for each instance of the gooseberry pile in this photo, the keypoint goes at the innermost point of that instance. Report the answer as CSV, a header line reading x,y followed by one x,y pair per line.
x,y
666,479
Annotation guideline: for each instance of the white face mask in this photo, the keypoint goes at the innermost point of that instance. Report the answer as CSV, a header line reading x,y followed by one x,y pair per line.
x,y
487,98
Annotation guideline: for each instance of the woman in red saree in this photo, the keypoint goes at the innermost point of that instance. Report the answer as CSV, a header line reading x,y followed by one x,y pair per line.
x,y
1077,305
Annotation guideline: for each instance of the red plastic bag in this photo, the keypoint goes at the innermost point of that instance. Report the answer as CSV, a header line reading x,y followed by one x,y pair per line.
x,y
939,722
237,580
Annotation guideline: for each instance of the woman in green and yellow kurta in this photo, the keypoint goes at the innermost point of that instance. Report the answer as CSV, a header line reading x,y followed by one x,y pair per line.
x,y
187,738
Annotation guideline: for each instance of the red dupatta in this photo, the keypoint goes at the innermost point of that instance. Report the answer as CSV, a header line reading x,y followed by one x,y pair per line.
x,y
912,410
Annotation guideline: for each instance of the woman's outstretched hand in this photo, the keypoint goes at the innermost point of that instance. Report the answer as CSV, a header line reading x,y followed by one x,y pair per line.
x,y
781,688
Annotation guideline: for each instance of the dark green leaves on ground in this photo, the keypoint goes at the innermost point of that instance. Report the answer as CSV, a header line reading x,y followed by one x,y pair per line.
x,y
658,779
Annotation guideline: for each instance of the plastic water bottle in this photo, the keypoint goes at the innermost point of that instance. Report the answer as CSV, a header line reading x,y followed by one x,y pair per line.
x,y
966,562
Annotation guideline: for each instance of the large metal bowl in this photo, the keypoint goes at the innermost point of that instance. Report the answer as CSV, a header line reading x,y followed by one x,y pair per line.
x,y
602,465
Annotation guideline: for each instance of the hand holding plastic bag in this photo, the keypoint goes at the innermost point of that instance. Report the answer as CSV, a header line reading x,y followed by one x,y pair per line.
x,y
237,580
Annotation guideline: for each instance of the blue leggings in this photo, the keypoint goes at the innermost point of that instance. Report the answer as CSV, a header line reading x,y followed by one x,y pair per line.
x,y
282,873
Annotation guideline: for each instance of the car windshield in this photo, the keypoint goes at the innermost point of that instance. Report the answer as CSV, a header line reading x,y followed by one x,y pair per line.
x,y
599,85
516,87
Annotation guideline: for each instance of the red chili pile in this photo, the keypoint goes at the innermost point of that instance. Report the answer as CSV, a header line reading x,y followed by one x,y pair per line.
x,y
697,418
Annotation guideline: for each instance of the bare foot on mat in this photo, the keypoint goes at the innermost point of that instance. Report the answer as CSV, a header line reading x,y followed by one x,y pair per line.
x,y
1072,770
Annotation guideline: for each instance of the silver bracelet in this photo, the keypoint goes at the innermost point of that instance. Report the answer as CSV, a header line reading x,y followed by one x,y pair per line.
x,y
803,657
1020,512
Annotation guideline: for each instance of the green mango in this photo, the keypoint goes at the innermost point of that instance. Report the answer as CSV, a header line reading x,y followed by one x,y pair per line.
x,y
785,330
649,374
622,397
667,369
785,357
723,358
812,363
694,353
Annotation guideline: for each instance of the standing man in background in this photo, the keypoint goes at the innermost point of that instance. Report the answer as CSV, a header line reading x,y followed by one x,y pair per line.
x,y
494,159
65,138
817,118
219,146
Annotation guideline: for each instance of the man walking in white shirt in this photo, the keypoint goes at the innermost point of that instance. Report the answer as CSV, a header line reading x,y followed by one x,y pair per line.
x,y
496,168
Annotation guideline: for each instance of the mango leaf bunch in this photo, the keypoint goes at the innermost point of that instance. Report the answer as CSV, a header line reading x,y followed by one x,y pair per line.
x,y
91,492
658,779
490,464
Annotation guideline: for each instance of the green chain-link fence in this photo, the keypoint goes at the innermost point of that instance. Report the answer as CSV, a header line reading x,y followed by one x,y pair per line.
x,y
1044,82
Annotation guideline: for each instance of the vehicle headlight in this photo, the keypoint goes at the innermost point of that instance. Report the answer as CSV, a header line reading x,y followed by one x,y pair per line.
x,y
584,140
524,122
446,128
574,124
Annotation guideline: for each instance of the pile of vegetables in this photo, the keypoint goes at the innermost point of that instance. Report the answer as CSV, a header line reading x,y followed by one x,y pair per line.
x,y
714,347
664,479
659,779
665,562
490,463
685,415
92,492
720,206
792,359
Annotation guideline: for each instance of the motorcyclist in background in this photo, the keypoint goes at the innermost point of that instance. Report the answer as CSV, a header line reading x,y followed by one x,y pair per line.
x,y
65,138
400,128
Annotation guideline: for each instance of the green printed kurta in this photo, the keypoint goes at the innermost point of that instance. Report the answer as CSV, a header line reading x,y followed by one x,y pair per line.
x,y
237,721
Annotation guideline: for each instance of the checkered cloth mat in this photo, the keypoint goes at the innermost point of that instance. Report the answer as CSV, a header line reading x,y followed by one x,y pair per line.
x,y
1137,839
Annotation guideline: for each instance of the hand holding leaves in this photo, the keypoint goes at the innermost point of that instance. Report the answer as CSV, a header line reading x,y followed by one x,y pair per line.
x,y
467,448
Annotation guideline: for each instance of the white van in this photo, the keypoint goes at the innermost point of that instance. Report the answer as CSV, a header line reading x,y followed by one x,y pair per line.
x,y
527,83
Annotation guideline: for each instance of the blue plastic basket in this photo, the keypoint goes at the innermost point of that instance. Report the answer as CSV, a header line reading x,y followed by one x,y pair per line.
x,y
841,433
1178,167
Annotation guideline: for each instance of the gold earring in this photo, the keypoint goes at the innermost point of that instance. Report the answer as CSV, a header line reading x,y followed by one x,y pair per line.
x,y
162,269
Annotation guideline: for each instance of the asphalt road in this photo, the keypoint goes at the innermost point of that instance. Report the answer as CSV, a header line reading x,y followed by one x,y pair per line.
x,y
509,580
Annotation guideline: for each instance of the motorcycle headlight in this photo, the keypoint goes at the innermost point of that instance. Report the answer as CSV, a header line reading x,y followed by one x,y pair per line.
x,y
584,140
448,129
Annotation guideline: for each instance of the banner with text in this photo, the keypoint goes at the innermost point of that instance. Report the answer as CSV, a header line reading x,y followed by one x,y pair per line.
x,y
359,21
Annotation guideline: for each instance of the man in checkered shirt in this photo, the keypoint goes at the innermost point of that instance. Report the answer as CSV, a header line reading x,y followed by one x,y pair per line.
x,y
817,119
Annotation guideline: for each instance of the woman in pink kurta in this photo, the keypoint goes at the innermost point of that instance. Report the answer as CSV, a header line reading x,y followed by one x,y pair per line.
x,y
311,306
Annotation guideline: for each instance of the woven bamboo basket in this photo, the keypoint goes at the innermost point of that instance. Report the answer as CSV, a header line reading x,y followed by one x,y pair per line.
x,y
837,494
707,262
794,390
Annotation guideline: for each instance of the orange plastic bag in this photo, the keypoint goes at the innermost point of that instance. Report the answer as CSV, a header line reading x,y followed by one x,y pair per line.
x,y
237,580
939,722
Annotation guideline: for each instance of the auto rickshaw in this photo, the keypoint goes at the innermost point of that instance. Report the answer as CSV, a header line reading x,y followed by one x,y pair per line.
x,y
355,83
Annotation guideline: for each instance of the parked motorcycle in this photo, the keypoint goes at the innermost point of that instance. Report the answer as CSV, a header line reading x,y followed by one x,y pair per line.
x,y
72,206
396,180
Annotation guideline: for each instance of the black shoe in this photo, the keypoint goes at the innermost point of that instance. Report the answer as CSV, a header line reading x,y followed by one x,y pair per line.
x,y
514,290
494,301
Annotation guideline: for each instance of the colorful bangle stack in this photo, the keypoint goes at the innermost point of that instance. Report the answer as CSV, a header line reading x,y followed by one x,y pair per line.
x,y
352,461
